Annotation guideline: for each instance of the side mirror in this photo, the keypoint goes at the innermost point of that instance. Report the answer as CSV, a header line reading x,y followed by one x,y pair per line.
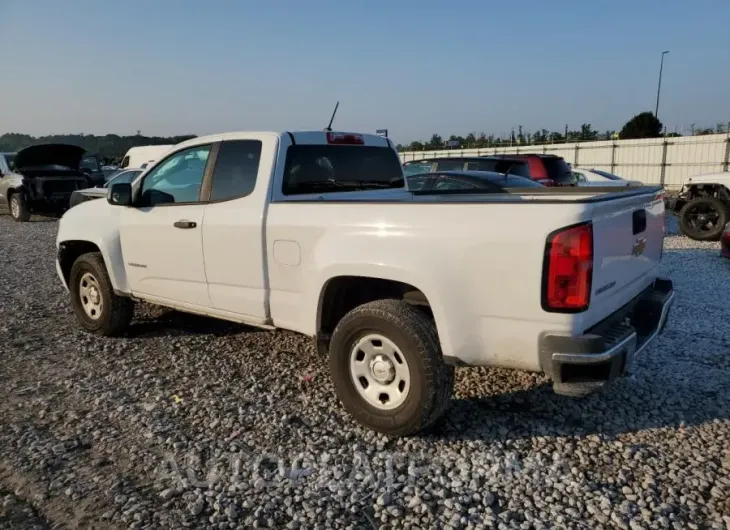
x,y
120,194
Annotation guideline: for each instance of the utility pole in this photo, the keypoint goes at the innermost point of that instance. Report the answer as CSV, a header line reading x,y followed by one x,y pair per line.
x,y
659,88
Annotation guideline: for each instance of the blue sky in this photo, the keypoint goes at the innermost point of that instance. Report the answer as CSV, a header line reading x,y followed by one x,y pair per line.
x,y
414,67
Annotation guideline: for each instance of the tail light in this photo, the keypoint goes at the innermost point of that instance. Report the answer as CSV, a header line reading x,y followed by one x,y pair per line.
x,y
546,182
345,139
568,269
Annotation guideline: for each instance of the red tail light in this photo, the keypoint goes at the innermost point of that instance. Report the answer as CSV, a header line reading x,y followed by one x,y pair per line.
x,y
546,182
345,139
568,269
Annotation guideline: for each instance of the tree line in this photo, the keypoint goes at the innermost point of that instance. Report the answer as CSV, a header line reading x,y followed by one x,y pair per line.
x,y
643,125
111,147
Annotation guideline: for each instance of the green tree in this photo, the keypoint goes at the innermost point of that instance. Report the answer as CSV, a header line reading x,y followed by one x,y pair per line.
x,y
587,133
436,142
643,125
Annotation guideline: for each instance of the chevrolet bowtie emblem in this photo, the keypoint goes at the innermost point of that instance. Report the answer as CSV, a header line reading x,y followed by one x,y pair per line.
x,y
639,247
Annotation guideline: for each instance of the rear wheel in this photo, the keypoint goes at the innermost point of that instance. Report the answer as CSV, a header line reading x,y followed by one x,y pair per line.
x,y
98,310
387,368
703,219
19,210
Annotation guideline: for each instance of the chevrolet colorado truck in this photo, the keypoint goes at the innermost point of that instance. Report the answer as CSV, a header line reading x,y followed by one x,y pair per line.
x,y
316,233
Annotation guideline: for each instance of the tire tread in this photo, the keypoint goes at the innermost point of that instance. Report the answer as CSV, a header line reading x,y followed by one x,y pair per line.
x,y
422,332
121,308
712,236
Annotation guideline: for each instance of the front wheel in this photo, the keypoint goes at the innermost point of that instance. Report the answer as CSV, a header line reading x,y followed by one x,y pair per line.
x,y
387,368
703,219
19,210
98,310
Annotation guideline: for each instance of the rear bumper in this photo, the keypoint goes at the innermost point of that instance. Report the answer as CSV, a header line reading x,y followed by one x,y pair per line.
x,y
579,365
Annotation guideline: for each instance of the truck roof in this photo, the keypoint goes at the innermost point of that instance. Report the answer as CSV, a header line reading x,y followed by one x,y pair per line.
x,y
302,137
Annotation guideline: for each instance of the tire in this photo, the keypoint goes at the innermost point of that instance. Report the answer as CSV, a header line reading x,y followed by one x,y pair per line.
x,y
430,380
19,210
708,206
113,314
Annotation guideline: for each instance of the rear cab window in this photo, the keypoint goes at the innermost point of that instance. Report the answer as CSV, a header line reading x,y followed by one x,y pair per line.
x,y
514,167
558,170
317,168
90,163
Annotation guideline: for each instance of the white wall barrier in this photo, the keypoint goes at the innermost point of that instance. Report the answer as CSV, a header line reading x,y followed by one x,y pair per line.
x,y
667,161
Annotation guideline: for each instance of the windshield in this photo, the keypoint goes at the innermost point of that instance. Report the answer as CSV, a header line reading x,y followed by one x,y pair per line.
x,y
558,170
10,159
335,168
125,177
609,176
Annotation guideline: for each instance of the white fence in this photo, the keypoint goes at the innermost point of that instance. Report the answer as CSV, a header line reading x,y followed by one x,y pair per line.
x,y
666,161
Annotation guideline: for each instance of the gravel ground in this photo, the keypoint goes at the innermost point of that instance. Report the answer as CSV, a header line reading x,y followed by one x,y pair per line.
x,y
189,422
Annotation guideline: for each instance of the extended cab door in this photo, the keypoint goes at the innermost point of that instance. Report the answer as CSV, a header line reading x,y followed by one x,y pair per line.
x,y
233,232
161,235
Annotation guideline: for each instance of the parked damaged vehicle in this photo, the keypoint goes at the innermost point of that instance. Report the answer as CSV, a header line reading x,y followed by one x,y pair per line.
x,y
703,206
40,179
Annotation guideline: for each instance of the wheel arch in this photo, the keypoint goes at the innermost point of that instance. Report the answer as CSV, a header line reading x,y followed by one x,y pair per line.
x,y
341,293
69,250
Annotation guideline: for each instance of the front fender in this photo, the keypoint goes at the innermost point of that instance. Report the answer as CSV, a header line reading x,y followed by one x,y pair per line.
x,y
98,223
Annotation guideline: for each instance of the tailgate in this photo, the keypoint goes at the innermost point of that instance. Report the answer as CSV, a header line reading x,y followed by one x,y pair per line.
x,y
628,239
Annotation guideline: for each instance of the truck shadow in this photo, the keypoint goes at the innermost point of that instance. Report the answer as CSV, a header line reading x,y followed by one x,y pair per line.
x,y
537,411
4,212
153,322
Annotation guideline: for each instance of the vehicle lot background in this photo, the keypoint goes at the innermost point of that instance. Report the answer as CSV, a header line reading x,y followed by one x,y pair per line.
x,y
200,423
668,161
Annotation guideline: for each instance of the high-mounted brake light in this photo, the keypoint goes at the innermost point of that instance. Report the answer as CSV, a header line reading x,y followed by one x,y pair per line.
x,y
568,270
345,139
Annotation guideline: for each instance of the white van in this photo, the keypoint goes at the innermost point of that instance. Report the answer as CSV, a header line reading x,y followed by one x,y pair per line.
x,y
143,155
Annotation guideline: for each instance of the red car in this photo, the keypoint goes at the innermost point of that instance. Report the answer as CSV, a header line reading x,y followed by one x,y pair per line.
x,y
725,242
549,170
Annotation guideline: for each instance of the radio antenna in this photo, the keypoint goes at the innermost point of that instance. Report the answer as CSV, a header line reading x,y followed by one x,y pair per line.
x,y
329,127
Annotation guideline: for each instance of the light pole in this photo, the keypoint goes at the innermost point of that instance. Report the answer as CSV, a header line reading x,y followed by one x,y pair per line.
x,y
659,88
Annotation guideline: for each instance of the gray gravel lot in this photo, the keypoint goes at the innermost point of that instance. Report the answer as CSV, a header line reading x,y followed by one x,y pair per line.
x,y
190,422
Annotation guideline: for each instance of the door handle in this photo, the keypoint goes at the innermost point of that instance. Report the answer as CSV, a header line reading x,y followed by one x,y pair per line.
x,y
185,224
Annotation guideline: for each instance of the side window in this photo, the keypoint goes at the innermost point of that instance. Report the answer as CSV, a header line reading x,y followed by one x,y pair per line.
x,y
417,183
472,166
236,169
580,177
178,179
125,162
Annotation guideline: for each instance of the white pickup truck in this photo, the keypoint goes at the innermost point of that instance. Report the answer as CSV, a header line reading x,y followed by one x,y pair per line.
x,y
314,232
